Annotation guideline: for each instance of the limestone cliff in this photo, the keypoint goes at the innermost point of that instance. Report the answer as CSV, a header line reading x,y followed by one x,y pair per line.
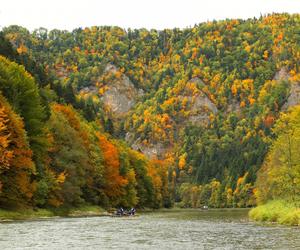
x,y
200,107
120,95
294,95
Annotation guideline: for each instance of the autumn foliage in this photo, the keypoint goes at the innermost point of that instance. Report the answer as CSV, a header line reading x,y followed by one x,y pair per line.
x,y
114,181
209,99
17,167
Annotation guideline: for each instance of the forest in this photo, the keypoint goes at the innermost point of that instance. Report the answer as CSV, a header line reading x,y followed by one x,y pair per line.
x,y
202,116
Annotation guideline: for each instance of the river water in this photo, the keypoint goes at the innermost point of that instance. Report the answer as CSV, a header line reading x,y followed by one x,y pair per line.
x,y
185,229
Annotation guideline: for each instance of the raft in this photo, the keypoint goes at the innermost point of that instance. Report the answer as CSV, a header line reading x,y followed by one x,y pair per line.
x,y
124,215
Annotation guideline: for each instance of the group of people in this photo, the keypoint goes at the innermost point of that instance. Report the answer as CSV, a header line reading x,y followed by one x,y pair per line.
x,y
122,212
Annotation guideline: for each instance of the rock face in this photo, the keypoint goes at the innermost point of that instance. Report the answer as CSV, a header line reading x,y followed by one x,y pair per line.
x,y
121,94
89,90
282,75
200,109
157,150
119,99
201,106
294,95
110,68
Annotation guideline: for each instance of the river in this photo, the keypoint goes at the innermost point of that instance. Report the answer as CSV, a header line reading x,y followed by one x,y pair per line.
x,y
184,229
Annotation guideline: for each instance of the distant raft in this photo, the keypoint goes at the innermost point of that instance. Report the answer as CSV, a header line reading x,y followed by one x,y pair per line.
x,y
123,213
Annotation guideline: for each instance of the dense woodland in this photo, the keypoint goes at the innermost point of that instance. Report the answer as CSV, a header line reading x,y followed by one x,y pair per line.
x,y
61,146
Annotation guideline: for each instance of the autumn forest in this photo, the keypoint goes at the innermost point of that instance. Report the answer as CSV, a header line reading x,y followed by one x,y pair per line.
x,y
202,116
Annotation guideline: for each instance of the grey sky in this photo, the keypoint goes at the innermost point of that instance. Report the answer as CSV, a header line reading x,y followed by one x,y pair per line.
x,y
159,14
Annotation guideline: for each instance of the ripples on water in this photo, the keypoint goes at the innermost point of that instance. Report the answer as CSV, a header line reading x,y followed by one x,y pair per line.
x,y
187,229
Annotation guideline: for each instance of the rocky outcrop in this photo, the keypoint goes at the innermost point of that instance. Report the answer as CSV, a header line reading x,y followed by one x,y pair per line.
x,y
119,99
294,95
201,108
282,75
202,101
157,150
152,150
121,94
110,68
201,105
89,90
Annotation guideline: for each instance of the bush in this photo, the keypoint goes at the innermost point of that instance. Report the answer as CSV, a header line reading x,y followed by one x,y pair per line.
x,y
276,211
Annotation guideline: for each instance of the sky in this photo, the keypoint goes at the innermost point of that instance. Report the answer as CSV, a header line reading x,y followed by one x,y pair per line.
x,y
158,14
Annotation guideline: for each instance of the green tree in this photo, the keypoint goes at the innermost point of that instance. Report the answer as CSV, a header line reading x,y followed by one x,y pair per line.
x,y
279,178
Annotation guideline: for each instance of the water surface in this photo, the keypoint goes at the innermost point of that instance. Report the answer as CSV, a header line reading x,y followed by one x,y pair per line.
x,y
185,229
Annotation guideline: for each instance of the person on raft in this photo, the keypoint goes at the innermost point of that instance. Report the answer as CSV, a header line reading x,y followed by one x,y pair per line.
x,y
120,211
132,211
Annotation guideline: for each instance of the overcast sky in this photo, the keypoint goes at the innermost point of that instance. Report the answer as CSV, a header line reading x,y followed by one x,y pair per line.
x,y
159,14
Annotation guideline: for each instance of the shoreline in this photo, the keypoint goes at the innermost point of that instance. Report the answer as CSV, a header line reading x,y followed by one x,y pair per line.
x,y
84,211
31,214
275,212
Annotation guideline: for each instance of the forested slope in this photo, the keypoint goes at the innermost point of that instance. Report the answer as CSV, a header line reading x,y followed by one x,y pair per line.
x,y
51,156
201,101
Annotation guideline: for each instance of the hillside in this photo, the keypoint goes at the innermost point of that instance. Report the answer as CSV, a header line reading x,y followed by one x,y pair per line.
x,y
200,102
50,156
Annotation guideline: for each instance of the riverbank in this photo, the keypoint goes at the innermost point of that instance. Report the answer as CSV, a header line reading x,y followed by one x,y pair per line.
x,y
276,211
24,214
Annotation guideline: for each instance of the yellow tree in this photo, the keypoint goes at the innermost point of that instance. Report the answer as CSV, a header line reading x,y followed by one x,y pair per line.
x,y
279,178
